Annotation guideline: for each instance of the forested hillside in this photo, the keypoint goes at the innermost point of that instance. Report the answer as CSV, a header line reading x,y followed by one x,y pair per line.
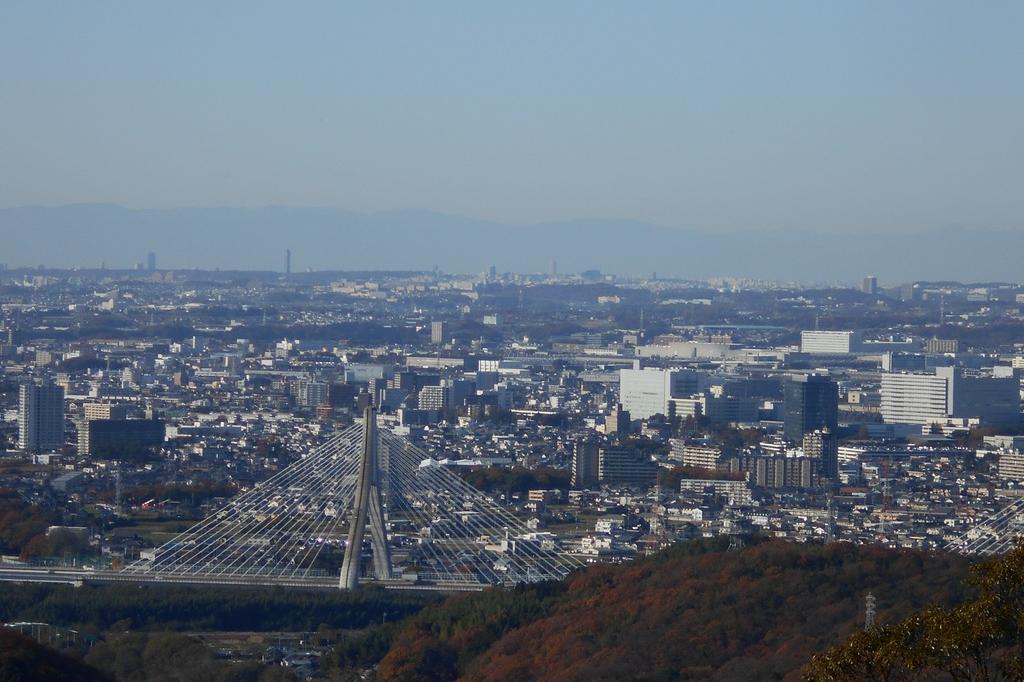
x,y
97,608
22,659
693,612
981,638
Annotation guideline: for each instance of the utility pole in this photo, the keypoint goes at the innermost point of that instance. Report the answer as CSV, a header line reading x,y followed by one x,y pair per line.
x,y
831,530
117,488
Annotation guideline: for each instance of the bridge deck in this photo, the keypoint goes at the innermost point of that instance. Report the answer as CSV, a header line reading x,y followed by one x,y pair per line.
x,y
69,576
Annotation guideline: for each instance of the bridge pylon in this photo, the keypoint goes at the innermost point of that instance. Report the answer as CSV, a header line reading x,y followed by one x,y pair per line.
x,y
426,525
367,510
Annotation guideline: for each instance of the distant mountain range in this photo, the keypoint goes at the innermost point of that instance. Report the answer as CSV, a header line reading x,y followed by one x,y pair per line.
x,y
87,235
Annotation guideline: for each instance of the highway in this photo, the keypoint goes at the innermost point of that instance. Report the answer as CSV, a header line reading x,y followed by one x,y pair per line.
x,y
78,577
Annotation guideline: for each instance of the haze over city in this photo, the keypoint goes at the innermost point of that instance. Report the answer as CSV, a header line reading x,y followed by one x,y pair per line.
x,y
523,342
808,119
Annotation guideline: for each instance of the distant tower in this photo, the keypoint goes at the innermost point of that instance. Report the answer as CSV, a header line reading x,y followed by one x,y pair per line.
x,y
287,262
870,285
554,268
151,261
869,611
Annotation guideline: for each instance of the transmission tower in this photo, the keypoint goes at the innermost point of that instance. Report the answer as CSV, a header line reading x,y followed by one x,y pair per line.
x,y
869,611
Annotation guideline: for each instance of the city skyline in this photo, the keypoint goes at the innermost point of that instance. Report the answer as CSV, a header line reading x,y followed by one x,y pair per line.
x,y
526,341
337,240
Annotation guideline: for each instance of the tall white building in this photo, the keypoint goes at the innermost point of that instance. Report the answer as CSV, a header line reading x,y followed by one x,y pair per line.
x,y
950,392
913,398
40,416
646,392
829,342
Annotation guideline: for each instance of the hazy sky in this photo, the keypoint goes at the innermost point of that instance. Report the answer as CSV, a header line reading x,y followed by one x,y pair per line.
x,y
714,115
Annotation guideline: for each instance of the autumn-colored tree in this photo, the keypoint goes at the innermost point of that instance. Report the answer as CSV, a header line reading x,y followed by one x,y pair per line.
x,y
977,640
694,611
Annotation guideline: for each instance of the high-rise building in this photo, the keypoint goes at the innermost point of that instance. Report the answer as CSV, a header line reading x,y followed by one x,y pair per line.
x,y
313,393
870,285
646,392
118,436
950,392
584,464
811,402
993,400
727,409
40,416
151,261
823,445
829,342
412,381
438,331
904,362
435,397
777,471
913,398
1011,466
374,387
486,381
734,492
703,455
624,466
618,421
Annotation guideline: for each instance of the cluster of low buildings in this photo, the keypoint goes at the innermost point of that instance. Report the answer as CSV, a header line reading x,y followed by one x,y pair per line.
x,y
659,429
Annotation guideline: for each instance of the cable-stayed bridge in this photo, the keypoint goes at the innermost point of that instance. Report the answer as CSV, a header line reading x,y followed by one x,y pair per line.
x,y
995,534
370,503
